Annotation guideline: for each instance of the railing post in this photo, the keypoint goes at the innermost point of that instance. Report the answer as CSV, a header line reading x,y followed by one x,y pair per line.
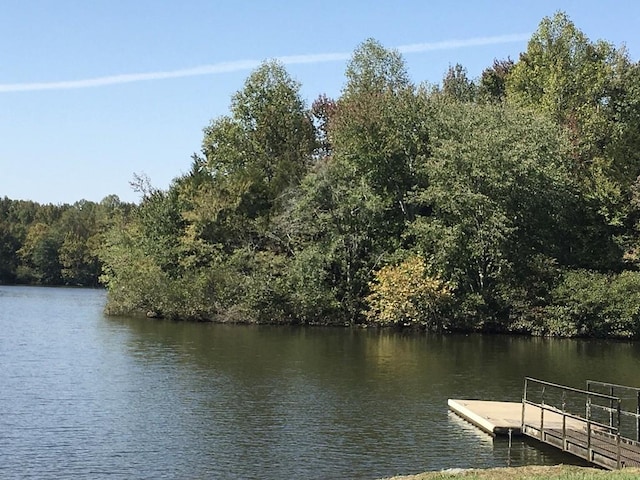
x,y
619,409
524,401
542,414
588,408
564,420
638,416
611,409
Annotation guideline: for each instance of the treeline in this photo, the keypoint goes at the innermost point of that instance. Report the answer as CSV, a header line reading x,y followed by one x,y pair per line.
x,y
55,244
506,203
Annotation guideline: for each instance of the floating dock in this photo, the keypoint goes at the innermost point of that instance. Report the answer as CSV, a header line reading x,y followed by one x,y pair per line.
x,y
494,418
504,418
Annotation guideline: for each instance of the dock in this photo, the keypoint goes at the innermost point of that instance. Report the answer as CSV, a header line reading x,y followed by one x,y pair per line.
x,y
592,425
502,418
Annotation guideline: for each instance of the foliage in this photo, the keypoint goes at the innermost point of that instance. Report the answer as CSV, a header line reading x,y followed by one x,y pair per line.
x,y
580,84
374,69
593,304
456,85
406,295
54,244
265,146
505,167
493,82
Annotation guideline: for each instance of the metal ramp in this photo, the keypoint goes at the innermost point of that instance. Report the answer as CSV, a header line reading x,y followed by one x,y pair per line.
x,y
600,424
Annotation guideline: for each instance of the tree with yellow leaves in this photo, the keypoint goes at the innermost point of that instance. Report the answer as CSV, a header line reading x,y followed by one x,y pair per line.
x,y
406,295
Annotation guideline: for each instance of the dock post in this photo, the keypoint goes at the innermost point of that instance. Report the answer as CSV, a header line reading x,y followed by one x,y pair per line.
x,y
611,409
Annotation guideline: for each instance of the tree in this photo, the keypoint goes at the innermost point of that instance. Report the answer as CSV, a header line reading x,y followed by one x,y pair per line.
x,y
374,70
580,84
495,199
456,84
569,77
266,145
378,128
593,304
39,255
493,81
335,222
323,111
407,295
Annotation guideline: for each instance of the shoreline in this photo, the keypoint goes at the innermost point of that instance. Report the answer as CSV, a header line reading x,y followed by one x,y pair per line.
x,y
532,472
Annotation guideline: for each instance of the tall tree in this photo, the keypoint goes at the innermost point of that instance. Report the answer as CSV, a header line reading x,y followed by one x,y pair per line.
x,y
266,144
493,81
378,128
566,75
457,85
494,200
374,69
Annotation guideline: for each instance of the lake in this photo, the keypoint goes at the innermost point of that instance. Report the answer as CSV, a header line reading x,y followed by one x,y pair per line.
x,y
83,395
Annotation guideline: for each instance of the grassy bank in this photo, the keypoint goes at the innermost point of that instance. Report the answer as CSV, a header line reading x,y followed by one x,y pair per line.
x,y
558,472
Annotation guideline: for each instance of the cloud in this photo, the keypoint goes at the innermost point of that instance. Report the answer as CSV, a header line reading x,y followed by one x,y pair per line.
x,y
470,42
241,65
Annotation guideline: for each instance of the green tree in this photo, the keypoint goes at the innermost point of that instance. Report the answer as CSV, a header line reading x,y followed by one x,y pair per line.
x,y
593,304
373,70
39,255
571,78
495,199
266,145
493,81
379,128
351,210
457,85
336,222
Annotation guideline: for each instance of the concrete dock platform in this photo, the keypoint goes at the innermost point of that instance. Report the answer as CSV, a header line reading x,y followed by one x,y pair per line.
x,y
495,418
499,418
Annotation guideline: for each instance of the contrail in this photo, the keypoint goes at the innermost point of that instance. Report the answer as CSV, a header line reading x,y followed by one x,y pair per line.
x,y
240,65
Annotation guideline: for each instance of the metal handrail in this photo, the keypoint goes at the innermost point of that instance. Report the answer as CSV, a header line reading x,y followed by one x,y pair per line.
x,y
635,390
612,385
613,430
573,416
570,389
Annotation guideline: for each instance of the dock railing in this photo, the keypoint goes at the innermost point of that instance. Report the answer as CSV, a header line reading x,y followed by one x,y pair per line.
x,y
561,422
630,405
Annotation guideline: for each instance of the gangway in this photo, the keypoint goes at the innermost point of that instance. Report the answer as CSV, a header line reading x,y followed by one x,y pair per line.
x,y
589,424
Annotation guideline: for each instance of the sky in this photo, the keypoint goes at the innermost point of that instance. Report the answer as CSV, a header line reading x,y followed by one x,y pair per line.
x,y
93,92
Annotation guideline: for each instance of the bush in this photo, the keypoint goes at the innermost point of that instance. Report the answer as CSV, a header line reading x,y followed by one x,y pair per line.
x,y
593,304
406,295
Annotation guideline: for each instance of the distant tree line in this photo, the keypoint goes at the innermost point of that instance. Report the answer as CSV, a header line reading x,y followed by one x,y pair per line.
x,y
507,203
54,244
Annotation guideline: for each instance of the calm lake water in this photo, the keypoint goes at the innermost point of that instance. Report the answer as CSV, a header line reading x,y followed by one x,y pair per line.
x,y
88,396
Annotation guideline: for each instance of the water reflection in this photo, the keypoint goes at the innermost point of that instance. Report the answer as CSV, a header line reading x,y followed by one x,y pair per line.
x,y
367,400
88,396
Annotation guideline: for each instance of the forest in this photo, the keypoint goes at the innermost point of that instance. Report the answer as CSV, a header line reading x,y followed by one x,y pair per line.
x,y
506,203
55,244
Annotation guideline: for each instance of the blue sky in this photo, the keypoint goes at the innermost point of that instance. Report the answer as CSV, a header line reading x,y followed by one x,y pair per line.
x,y
92,92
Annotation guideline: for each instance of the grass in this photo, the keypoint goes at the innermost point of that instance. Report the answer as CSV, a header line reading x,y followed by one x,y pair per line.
x,y
558,472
